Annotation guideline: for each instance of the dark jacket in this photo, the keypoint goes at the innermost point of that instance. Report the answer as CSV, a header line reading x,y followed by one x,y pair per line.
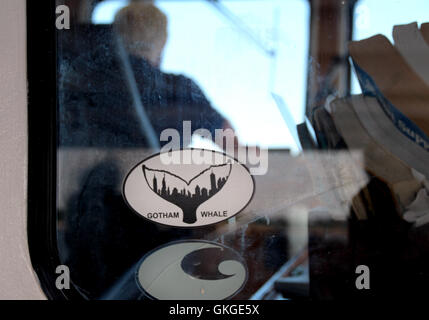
x,y
101,239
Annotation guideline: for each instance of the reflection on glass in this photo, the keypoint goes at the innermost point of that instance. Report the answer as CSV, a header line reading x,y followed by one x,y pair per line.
x,y
216,65
240,55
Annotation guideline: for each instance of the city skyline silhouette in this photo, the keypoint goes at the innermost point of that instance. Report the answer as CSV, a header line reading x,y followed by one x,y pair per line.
x,y
187,195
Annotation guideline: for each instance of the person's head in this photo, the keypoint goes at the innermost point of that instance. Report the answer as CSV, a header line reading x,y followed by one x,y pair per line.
x,y
143,29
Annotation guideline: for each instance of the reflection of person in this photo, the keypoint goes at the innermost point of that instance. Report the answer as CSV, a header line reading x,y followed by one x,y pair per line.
x,y
104,237
143,29
169,99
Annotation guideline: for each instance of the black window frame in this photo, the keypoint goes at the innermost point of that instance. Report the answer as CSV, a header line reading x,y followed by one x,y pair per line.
x,y
42,145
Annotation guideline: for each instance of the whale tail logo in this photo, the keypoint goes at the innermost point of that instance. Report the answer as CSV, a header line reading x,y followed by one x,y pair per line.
x,y
188,195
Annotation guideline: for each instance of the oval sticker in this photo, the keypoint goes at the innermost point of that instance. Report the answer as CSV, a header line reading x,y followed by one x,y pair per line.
x,y
188,188
192,270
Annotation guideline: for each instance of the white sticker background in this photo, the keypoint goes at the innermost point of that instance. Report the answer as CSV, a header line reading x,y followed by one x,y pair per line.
x,y
232,198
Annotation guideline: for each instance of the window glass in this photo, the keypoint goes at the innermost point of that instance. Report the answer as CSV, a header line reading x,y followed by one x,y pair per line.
x,y
140,71
240,53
